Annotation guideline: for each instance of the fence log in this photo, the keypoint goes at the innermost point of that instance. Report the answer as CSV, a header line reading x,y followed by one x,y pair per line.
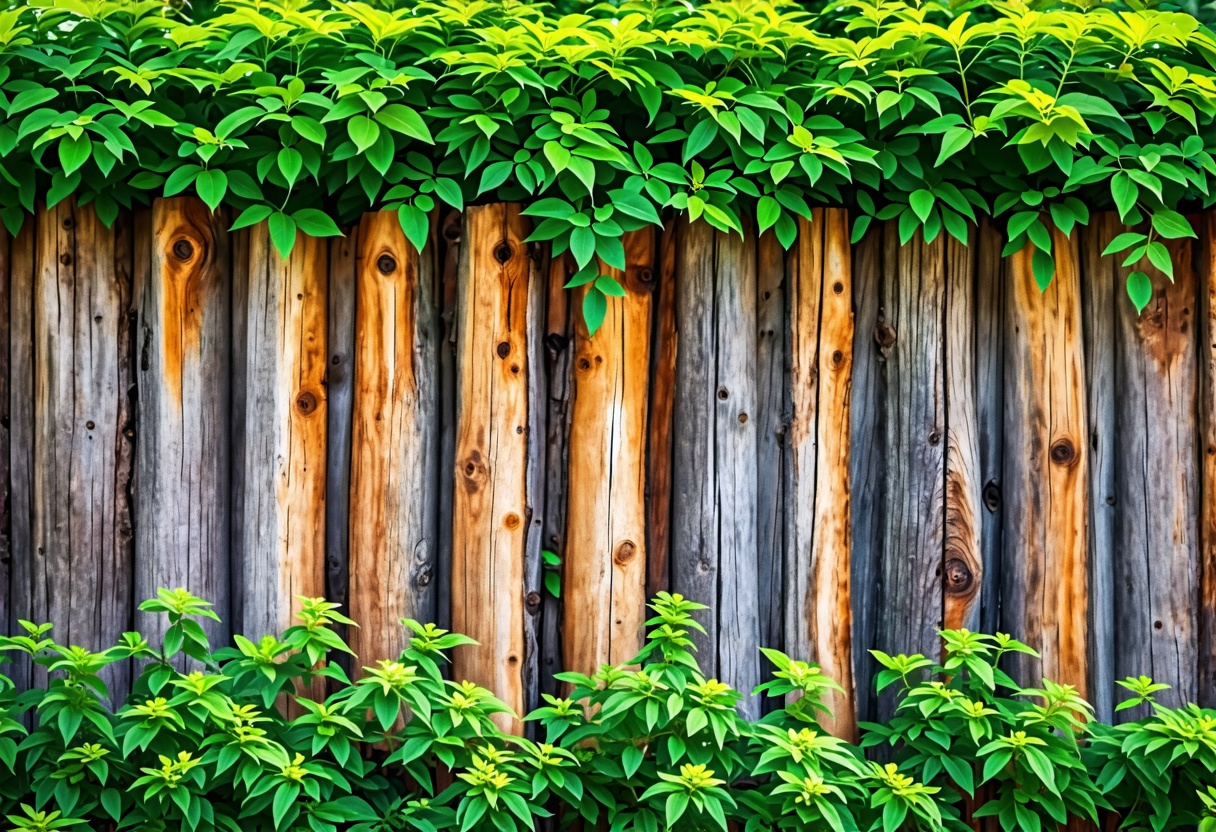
x,y
394,439
990,412
534,476
605,555
1156,473
6,450
183,449
282,525
662,402
1046,470
491,503
772,393
21,431
341,288
1206,289
714,473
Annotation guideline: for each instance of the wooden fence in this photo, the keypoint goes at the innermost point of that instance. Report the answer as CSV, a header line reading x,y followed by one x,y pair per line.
x,y
835,448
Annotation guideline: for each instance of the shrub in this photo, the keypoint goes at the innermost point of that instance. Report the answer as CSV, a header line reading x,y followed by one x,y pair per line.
x,y
234,740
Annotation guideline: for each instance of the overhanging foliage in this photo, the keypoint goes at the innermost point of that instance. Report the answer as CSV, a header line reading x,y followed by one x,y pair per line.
x,y
604,116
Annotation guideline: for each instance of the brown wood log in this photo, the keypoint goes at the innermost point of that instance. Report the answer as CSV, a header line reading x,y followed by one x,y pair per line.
x,y
990,412
21,434
962,567
282,526
80,564
605,557
1206,279
818,533
394,440
1157,482
339,413
772,393
662,400
490,504
183,449
714,457
1045,585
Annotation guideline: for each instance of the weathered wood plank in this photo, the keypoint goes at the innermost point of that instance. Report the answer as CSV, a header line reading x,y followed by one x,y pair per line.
x,y
913,438
1157,482
662,402
394,439
714,456
490,504
559,355
1044,580
1206,279
1101,291
772,416
818,533
990,412
238,253
534,478
450,232
81,522
6,541
284,355
183,453
339,412
21,433
962,567
871,348
605,555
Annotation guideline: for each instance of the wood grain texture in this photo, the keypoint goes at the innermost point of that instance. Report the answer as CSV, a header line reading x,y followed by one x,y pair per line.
x,y
534,479
341,287
1101,294
81,516
1206,279
714,458
913,440
490,500
394,439
21,434
871,348
1157,482
183,450
662,402
990,412
962,566
818,532
772,419
282,525
1044,569
450,230
6,493
604,587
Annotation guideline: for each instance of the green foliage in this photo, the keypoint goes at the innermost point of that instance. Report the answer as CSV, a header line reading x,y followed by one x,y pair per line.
x,y
241,740
606,116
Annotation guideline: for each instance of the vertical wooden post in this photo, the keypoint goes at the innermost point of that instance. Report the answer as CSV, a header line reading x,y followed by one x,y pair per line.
x,y
6,539
282,527
490,505
714,461
772,393
990,412
451,229
535,474
818,533
605,558
394,445
1207,438
1044,597
21,433
339,413
910,327
962,566
662,401
1157,482
182,459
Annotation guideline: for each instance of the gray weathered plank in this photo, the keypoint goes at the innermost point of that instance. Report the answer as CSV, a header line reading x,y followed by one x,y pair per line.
x,y
534,478
772,417
339,414
990,412
183,453
21,433
448,242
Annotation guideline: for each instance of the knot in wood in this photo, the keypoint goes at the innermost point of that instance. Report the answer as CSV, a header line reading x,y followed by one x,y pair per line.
x,y
584,364
992,496
743,418
502,252
959,577
451,227
306,402
386,264
645,275
514,368
65,259
723,394
68,223
1157,625
473,471
935,437
555,341
183,249
837,358
1063,452
511,521
89,424
838,287
624,553
532,599
504,349
1110,499
884,335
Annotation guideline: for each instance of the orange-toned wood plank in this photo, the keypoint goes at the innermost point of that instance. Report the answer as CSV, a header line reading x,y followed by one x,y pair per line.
x,y
490,501
1207,518
662,397
394,440
1044,569
605,558
282,523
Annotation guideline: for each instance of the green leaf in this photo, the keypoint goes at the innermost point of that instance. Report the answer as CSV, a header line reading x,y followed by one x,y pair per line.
x,y
316,223
1125,193
282,233
954,140
415,225
921,202
582,246
1171,225
1140,290
767,212
677,803
363,132
595,309
212,186
74,152
1043,267
404,120
1123,242
252,215
609,286
553,583
557,155
450,193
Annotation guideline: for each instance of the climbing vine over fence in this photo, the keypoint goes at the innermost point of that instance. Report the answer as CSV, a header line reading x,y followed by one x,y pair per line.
x,y
305,115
